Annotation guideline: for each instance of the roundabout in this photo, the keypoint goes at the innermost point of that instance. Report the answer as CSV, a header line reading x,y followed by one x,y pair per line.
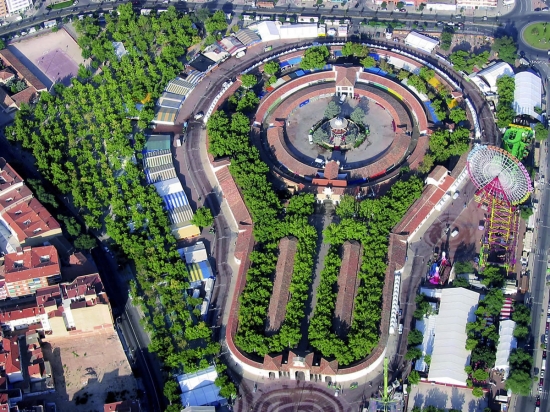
x,y
537,35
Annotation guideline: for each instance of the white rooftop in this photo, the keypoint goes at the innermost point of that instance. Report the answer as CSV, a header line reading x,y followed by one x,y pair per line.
x,y
194,253
198,388
298,31
527,94
268,30
449,355
427,327
495,71
506,344
420,41
167,187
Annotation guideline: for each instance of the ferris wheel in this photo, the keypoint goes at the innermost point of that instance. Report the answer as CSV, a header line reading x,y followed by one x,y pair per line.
x,y
499,174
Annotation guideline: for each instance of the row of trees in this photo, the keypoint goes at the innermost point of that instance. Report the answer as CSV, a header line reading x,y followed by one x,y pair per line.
x,y
368,222
505,113
230,137
80,140
465,61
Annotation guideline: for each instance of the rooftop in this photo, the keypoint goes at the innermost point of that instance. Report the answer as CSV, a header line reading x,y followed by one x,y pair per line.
x,y
9,178
30,219
11,60
31,263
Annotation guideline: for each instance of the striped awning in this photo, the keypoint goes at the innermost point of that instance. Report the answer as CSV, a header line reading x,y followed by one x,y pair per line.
x,y
194,77
175,200
199,271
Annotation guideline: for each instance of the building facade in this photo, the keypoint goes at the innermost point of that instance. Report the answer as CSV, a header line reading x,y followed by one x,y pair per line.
x,y
18,6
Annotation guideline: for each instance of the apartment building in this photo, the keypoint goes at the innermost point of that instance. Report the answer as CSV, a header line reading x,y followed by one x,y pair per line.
x,y
29,269
472,4
17,6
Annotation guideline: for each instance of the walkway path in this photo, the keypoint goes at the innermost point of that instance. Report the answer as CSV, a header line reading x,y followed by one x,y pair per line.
x,y
323,216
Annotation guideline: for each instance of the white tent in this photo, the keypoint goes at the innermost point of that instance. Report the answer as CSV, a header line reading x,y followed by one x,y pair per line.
x,y
168,187
198,388
268,30
527,94
427,327
420,41
298,31
506,344
450,356
495,71
194,253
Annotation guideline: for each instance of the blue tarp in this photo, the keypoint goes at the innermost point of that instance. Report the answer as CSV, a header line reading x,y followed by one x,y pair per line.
x,y
175,200
294,60
292,75
205,269
376,70
338,53
282,65
300,73
375,56
428,105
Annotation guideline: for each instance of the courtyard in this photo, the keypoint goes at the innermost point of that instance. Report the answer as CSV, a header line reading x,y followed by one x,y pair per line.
x,y
375,145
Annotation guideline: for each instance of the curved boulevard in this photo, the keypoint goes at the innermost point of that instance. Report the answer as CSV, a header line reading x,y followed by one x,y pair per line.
x,y
232,68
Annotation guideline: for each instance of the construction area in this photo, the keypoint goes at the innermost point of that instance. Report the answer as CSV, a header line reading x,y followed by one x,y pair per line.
x,y
88,370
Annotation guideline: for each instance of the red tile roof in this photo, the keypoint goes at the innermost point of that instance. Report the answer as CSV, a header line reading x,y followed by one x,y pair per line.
x,y
6,74
438,173
233,196
30,219
281,283
11,198
46,297
9,178
348,281
346,76
13,362
331,170
35,370
83,286
31,263
28,313
6,101
25,96
123,406
11,60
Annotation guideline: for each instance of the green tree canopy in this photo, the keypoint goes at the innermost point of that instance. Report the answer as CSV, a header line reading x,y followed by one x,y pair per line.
x,y
446,38
333,109
354,49
445,144
249,81
457,115
415,337
85,242
506,86
271,67
506,48
358,115
203,217
478,392
414,378
493,276
315,58
368,61
418,83
463,267
426,74
216,23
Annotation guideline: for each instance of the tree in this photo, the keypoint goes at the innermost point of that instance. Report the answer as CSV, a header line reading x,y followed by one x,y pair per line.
x,y
445,144
85,242
461,61
315,58
40,192
414,378
521,331
271,67
413,354
83,72
384,5
526,212
417,82
427,164
71,225
541,132
505,88
505,114
471,344
216,23
368,61
415,337
493,276
249,81
2,44
428,359
457,115
354,49
333,109
400,4
403,74
446,38
478,392
426,74
320,135
480,375
357,115
519,382
506,49
203,217
461,282
463,267
521,314
202,14
348,207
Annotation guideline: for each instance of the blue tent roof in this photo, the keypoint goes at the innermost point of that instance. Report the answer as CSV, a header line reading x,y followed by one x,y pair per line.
x,y
175,200
376,70
284,64
294,60
300,73
375,56
432,111
338,53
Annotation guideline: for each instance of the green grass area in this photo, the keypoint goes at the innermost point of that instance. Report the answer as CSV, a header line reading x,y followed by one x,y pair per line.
x,y
537,35
516,141
62,5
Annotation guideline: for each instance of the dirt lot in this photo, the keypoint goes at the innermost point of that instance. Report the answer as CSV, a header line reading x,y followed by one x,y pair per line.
x,y
86,369
52,57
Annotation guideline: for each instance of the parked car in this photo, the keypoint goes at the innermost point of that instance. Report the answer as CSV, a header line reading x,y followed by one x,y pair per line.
x,y
454,233
543,354
199,115
537,403
484,18
403,10
456,194
400,329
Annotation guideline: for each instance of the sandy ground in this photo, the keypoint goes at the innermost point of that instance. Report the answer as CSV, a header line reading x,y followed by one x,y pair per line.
x,y
86,369
439,396
50,56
